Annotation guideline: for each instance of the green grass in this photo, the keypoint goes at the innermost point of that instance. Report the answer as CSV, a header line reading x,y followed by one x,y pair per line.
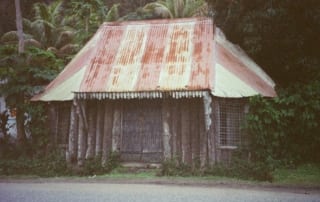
x,y
308,175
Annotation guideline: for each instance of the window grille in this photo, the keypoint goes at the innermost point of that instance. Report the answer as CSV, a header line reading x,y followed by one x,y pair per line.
x,y
230,114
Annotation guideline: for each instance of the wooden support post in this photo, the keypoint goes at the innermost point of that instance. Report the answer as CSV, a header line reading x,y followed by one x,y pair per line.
x,y
209,106
185,133
92,116
203,139
116,129
73,135
99,128
166,136
194,132
107,133
82,134
175,125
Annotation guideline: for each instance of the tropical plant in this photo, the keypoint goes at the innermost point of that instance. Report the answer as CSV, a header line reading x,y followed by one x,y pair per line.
x,y
87,16
279,35
23,75
285,129
48,31
177,8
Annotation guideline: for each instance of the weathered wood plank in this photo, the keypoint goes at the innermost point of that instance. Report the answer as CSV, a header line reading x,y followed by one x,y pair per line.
x,y
116,129
92,117
174,126
203,138
185,133
107,132
73,135
212,132
166,136
82,134
99,128
194,132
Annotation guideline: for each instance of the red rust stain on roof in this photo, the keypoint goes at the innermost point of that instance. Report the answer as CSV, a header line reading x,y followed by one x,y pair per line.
x,y
153,58
101,65
132,46
178,45
203,65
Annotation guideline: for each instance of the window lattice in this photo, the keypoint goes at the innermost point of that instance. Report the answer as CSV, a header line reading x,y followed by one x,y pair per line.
x,y
230,115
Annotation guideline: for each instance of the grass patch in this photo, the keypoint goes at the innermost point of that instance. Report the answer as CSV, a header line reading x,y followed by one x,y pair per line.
x,y
130,173
308,174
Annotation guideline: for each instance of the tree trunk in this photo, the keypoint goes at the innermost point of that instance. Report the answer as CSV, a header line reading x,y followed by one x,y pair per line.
x,y
21,136
92,114
19,26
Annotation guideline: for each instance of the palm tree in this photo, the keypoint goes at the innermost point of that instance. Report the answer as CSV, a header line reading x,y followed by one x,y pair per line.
x,y
48,31
87,16
19,26
20,98
51,30
177,8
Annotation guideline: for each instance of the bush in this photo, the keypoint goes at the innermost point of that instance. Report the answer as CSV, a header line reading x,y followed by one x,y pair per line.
x,y
55,164
172,167
286,128
95,167
52,165
238,168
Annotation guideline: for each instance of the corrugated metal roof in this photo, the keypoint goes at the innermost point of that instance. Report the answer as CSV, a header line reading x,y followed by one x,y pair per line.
x,y
159,56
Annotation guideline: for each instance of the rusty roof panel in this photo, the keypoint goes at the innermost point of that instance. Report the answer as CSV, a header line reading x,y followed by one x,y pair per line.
x,y
200,74
159,56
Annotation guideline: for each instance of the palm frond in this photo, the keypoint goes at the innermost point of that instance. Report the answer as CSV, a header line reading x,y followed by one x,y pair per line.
x,y
65,37
33,43
9,37
113,13
178,8
159,9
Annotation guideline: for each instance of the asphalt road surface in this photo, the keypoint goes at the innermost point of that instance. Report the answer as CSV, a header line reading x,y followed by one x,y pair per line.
x,y
94,192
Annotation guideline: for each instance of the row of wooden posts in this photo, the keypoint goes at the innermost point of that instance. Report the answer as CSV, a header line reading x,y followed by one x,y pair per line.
x,y
93,129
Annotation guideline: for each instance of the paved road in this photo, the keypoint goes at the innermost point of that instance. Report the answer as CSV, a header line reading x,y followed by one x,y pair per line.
x,y
95,192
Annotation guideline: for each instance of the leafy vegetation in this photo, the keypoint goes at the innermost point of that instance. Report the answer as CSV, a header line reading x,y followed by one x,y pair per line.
x,y
237,168
278,34
286,128
52,164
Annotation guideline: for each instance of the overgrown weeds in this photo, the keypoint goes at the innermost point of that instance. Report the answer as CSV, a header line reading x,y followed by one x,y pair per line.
x,y
54,164
237,168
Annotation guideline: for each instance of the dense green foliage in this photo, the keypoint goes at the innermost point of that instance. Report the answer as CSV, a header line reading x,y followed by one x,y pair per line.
x,y
53,164
286,128
280,35
237,168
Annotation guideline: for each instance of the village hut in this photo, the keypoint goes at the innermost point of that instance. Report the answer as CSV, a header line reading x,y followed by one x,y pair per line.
x,y
154,90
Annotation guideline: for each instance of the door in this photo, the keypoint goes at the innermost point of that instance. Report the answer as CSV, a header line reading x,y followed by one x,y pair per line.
x,y
141,131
